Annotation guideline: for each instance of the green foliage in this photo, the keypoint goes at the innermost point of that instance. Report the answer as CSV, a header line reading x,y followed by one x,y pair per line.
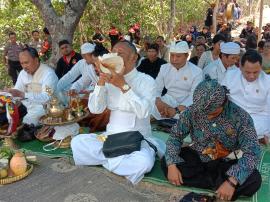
x,y
22,17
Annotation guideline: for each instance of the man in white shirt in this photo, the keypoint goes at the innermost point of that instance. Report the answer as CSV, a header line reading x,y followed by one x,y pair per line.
x,y
130,96
249,88
32,83
228,58
180,78
85,68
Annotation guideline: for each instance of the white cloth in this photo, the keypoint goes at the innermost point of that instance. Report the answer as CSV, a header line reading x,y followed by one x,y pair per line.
x,y
130,111
180,85
254,97
230,48
88,79
180,47
205,59
216,70
34,99
87,48
61,132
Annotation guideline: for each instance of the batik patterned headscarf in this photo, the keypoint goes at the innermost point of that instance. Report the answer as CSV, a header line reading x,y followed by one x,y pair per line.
x,y
208,96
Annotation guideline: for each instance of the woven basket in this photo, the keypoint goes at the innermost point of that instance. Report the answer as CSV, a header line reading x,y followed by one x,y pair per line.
x,y
9,180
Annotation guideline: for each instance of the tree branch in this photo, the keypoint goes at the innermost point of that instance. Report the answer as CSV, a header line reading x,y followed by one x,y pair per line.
x,y
46,9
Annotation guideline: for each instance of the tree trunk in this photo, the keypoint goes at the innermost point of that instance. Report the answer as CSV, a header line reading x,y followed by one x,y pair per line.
x,y
172,21
60,27
215,17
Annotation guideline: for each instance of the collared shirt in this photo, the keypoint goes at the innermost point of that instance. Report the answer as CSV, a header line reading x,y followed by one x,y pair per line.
x,y
80,68
63,66
180,84
48,79
233,128
130,111
151,68
216,70
254,97
12,51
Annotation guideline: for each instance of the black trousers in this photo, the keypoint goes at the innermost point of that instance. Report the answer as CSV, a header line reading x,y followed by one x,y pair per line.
x,y
212,174
14,68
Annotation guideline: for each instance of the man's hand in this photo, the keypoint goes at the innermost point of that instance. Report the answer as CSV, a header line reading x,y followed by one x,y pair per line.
x,y
103,78
162,107
72,93
117,80
15,92
226,191
181,108
170,112
174,175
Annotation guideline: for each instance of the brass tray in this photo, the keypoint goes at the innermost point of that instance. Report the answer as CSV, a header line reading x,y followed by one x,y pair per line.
x,y
12,179
55,121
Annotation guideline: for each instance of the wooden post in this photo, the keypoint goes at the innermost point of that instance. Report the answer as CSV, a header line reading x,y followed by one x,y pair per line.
x,y
215,17
261,20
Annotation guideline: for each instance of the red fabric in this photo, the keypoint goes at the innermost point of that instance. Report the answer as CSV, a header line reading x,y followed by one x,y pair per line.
x,y
15,119
65,57
45,46
113,32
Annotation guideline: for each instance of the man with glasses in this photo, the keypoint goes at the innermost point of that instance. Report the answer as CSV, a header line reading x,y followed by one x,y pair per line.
x,y
32,83
68,60
249,89
227,59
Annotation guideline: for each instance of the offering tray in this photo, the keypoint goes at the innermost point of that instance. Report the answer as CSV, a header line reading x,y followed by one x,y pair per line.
x,y
11,179
59,121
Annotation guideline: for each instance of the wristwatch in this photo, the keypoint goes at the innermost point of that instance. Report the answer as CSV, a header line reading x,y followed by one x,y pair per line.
x,y
125,87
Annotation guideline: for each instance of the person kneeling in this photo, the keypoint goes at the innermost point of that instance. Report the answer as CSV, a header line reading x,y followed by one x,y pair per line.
x,y
217,127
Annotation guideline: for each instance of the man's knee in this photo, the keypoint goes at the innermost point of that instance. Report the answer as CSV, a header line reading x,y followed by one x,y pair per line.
x,y
256,182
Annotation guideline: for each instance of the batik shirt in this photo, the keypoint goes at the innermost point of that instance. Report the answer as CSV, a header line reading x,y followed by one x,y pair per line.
x,y
233,128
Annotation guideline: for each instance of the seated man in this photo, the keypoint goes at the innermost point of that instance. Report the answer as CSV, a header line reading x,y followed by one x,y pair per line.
x,y
217,127
180,78
151,65
130,96
32,83
249,89
68,60
84,67
227,59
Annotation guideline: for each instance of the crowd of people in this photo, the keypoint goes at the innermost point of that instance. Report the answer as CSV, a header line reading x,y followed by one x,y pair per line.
x,y
215,88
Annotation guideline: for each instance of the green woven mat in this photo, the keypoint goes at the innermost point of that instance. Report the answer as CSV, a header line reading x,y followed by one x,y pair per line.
x,y
156,175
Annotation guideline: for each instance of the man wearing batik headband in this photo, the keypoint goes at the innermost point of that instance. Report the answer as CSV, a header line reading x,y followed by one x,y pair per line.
x,y
217,127
228,57
180,77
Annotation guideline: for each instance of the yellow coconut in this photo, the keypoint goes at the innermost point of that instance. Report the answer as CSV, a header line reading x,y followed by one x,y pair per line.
x,y
18,164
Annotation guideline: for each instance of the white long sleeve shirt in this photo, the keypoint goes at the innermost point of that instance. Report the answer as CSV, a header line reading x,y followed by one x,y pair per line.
x,y
254,97
216,70
47,79
180,84
130,111
88,73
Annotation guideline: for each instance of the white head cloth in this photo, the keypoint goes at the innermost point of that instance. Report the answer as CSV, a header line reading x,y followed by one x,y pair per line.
x,y
180,47
87,48
230,48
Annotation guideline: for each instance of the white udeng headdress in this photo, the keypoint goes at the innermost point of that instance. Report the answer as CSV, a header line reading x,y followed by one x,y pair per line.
x,y
180,47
